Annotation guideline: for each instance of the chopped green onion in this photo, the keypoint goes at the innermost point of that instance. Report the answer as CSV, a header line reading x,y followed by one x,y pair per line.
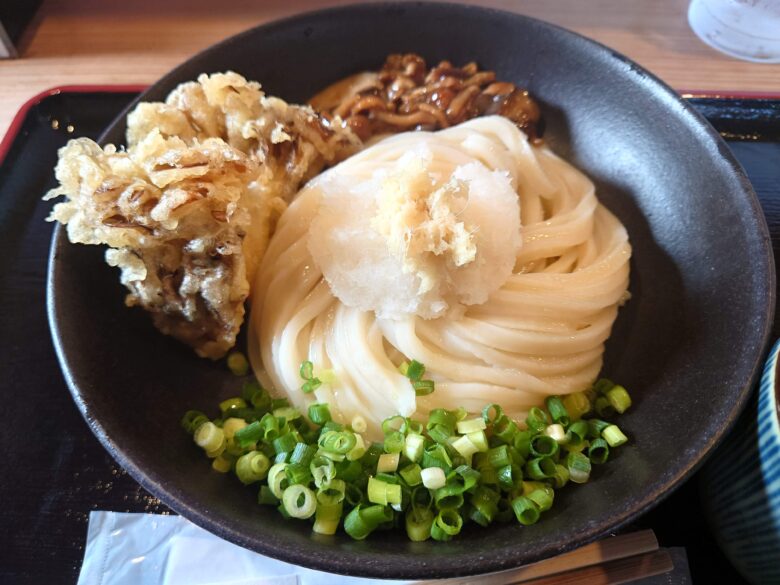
x,y
358,450
619,399
449,495
269,425
537,419
508,476
279,403
231,403
485,503
598,451
540,468
310,386
323,470
284,444
319,414
222,464
439,433
465,427
577,433
505,429
543,446
413,426
578,466
327,518
394,442
423,387
393,424
252,467
231,425
359,424
577,405
499,457
446,525
526,511
303,454
209,437
380,492
433,478
465,447
614,436
299,501
192,420
288,413
298,474
414,445
262,401
441,472
237,363
333,493
277,479
436,456
307,370
362,521
561,476
557,410
337,442
411,474
233,449
388,462
496,411
542,497
480,441
596,427
522,442
604,407
418,524
445,418
414,370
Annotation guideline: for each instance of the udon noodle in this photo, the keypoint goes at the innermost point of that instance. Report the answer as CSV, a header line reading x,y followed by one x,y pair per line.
x,y
541,332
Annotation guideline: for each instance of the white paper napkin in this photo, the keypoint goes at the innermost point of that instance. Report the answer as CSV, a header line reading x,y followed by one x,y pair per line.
x,y
149,549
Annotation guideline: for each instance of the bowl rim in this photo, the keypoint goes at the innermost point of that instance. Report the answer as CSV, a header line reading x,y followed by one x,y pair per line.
x,y
499,559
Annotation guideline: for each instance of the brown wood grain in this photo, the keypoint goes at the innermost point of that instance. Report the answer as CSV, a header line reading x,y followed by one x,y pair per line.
x,y
99,41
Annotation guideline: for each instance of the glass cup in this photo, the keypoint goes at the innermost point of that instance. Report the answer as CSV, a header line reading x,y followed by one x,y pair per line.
x,y
746,29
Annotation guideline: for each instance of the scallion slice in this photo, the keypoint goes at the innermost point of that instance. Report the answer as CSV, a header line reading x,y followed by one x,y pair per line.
x,y
557,410
526,511
319,414
614,436
388,462
299,501
471,426
433,478
363,520
418,523
413,446
578,466
252,467
237,363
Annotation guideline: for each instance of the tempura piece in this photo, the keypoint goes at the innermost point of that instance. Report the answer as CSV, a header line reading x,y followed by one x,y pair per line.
x,y
175,217
188,209
292,142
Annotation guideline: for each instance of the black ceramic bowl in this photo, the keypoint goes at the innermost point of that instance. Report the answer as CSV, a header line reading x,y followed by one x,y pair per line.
x,y
687,345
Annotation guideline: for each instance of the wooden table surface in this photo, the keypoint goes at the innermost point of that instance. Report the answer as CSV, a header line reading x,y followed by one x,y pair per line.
x,y
106,41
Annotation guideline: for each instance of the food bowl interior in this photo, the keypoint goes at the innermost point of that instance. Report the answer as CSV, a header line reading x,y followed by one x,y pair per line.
x,y
687,345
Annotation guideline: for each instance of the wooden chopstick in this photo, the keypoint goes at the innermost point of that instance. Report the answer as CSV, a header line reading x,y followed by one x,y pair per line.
x,y
611,573
609,549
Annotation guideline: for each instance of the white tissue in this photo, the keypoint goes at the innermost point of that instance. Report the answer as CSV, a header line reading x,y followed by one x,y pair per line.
x,y
149,549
